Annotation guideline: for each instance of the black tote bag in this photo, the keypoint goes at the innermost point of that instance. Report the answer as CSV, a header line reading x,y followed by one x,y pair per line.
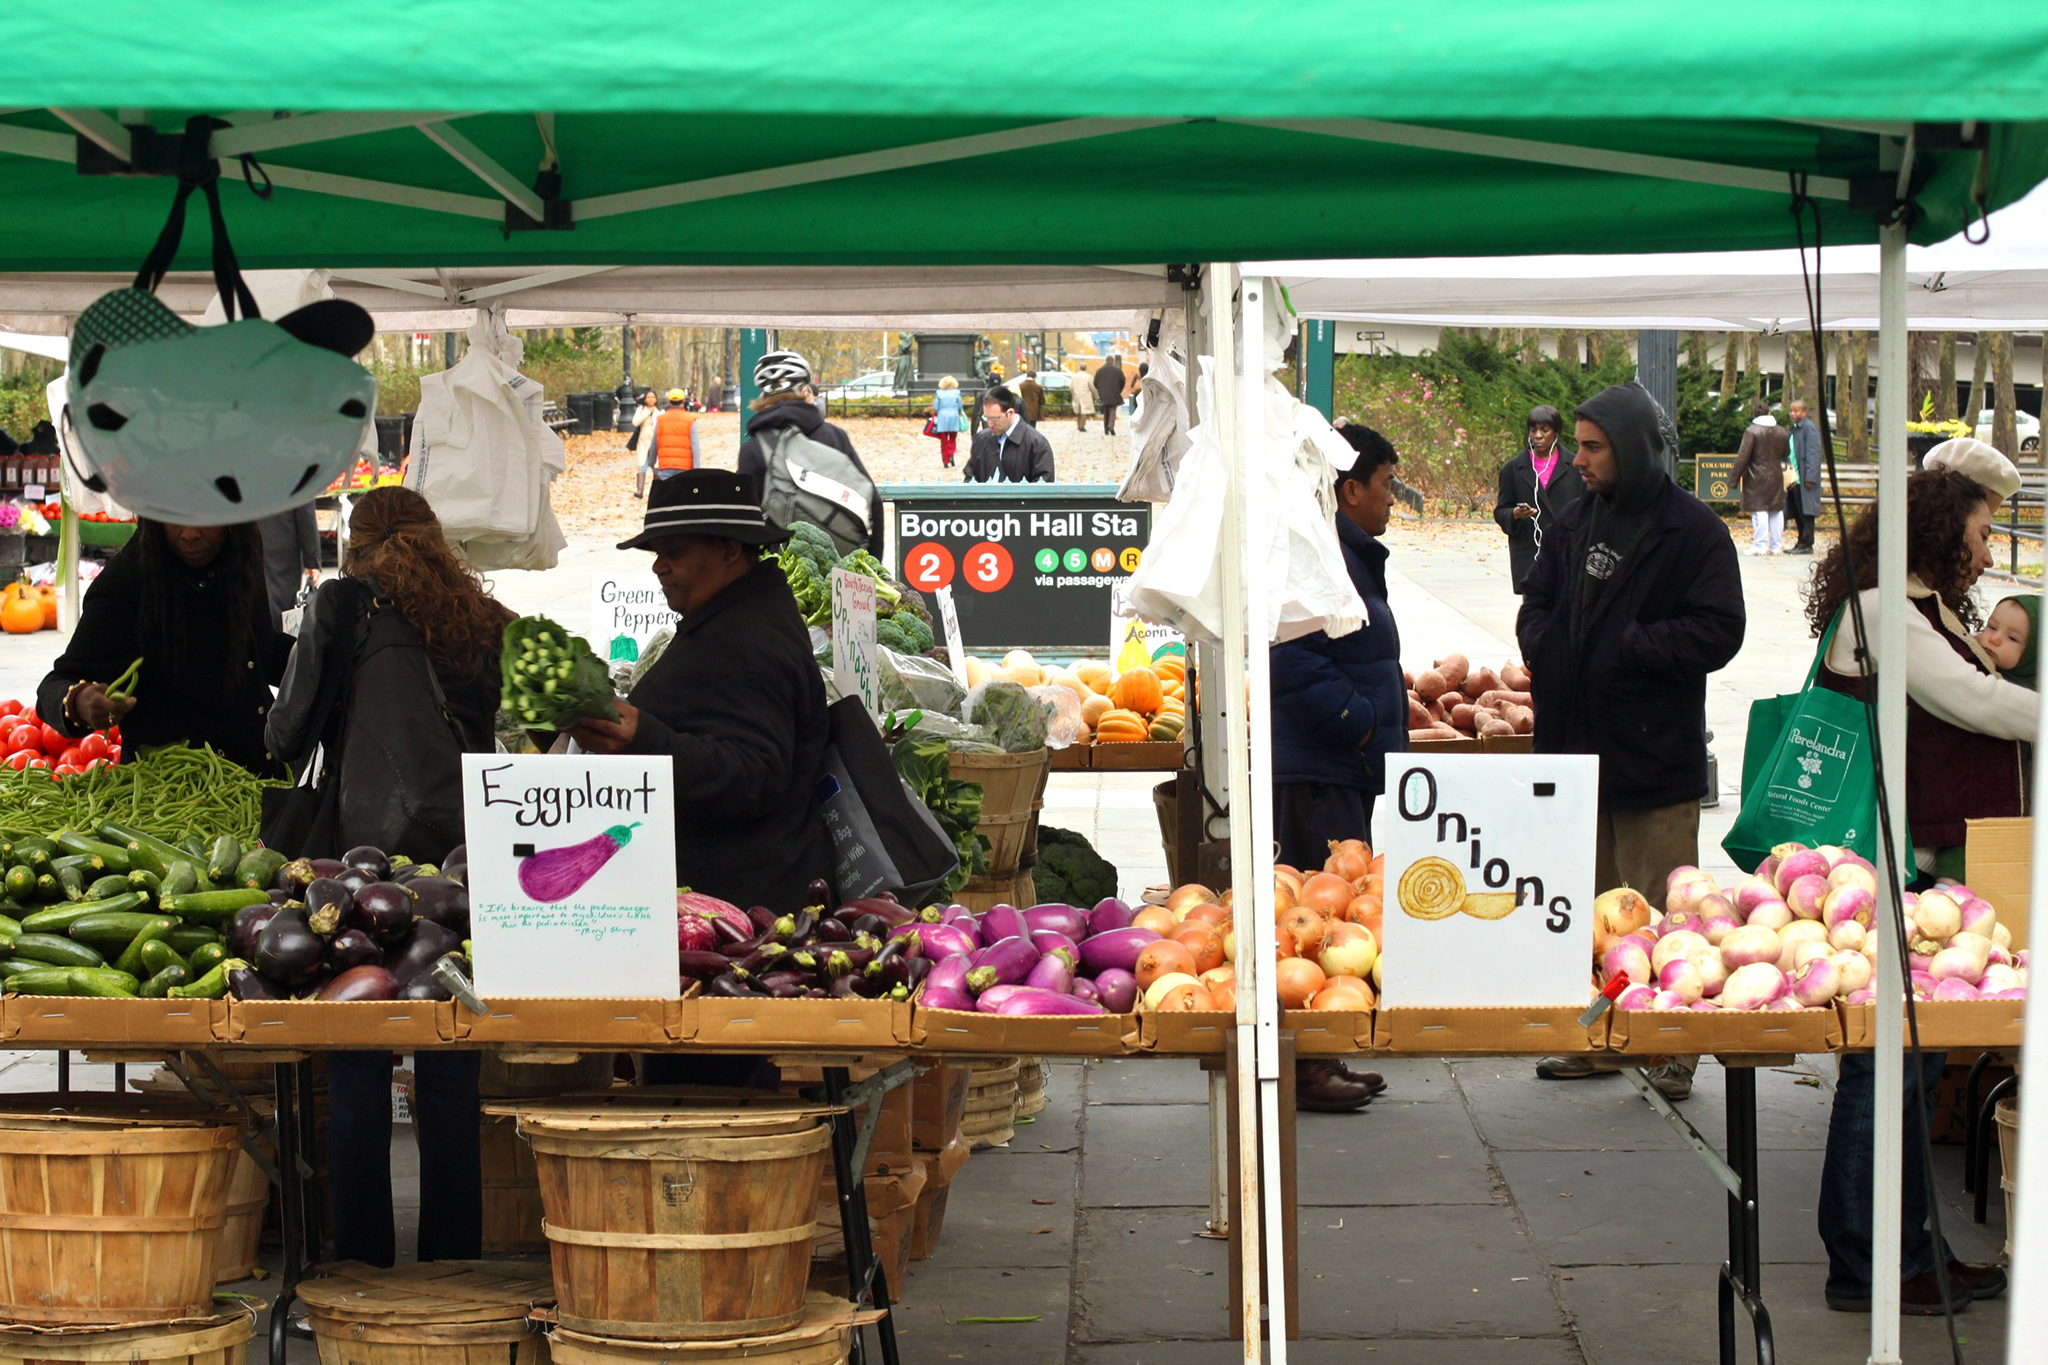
x,y
883,837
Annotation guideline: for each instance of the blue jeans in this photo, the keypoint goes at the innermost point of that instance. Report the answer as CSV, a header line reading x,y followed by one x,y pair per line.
x,y
1847,1177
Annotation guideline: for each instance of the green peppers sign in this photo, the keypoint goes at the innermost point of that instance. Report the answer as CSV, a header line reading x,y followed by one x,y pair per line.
x,y
1026,573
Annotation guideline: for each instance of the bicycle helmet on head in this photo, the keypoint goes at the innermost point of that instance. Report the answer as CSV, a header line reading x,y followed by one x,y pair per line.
x,y
779,371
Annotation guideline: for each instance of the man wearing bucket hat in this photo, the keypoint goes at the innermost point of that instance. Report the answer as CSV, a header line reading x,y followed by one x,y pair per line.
x,y
736,699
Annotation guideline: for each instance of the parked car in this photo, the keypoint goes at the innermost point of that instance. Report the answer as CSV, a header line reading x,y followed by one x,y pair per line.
x,y
2025,423
873,384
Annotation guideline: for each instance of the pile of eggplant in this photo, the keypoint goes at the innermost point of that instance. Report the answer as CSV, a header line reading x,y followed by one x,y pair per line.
x,y
1049,959
364,926
856,950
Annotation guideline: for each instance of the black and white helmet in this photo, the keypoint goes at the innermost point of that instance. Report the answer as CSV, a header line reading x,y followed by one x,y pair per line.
x,y
779,371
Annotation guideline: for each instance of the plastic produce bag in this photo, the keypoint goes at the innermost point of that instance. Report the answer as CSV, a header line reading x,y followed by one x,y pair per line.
x,y
1063,723
912,682
1016,720
1159,436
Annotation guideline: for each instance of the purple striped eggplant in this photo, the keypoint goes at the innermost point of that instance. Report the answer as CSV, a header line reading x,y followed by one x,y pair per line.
x,y
938,940
1002,964
946,998
949,974
1045,940
991,1000
1025,1000
1061,919
1108,915
1117,948
1117,989
1084,989
1054,972
1001,922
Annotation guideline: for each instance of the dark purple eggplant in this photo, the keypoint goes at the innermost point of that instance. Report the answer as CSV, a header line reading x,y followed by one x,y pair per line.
x,y
354,878
412,872
818,894
288,953
361,983
890,912
853,985
872,925
702,966
726,931
763,958
282,897
834,931
422,987
763,918
457,854
352,948
294,876
916,970
731,985
330,906
370,859
420,949
245,927
246,984
773,982
739,950
385,912
444,902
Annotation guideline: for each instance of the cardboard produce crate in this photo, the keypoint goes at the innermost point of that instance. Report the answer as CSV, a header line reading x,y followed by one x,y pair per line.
x,y
928,1215
937,1099
1998,860
892,1207
890,1152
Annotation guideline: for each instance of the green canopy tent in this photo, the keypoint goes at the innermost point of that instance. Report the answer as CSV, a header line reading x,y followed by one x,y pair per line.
x,y
493,133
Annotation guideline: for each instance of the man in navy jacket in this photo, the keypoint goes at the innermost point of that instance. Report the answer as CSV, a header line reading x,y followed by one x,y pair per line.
x,y
1339,708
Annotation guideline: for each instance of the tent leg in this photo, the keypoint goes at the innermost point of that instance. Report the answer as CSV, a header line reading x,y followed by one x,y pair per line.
x,y
2027,1311
1894,462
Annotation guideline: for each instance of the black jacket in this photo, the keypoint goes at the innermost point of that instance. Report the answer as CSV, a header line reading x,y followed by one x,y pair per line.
x,y
805,418
1109,380
291,545
1026,456
1633,688
1518,485
738,701
1340,706
211,696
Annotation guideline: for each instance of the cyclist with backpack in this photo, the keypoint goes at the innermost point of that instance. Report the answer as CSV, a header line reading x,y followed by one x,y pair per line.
x,y
804,467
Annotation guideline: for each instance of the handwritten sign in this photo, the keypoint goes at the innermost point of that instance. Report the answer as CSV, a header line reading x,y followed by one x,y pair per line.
x,y
572,875
1133,643
949,621
1490,877
853,638
627,610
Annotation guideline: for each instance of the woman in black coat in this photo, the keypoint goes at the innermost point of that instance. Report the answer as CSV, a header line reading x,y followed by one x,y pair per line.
x,y
190,601
1534,487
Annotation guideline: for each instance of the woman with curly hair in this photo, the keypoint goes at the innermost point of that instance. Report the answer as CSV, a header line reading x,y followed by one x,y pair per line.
x,y
1964,728
397,674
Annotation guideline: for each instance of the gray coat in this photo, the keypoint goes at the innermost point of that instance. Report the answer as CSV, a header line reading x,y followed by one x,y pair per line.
x,y
1805,498
1760,466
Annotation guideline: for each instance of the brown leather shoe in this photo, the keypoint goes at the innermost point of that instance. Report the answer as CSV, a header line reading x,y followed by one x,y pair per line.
x,y
1920,1297
1975,1281
1324,1088
1371,1080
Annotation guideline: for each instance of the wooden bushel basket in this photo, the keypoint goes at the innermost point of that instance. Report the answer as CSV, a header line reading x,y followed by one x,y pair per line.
x,y
112,1214
679,1214
219,1341
1012,790
432,1313
822,1336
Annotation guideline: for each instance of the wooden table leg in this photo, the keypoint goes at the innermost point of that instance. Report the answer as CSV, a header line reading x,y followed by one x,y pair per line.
x,y
1290,1257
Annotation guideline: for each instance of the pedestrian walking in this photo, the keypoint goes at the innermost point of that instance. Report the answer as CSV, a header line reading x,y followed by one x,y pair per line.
x,y
1635,600
1802,492
673,443
1760,468
1109,391
1031,397
947,419
1534,486
1007,449
1081,392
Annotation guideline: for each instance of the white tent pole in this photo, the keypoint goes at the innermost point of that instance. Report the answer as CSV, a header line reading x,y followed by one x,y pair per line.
x,y
1255,806
2026,1323
1894,462
1234,648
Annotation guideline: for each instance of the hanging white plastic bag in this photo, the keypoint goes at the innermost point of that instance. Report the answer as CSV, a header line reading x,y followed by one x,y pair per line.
x,y
1176,582
1159,435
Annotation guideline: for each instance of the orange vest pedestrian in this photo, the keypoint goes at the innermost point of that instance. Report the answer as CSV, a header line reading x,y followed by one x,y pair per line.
x,y
672,439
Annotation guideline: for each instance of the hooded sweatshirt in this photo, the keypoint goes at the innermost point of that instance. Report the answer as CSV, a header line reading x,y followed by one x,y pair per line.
x,y
1635,430
794,411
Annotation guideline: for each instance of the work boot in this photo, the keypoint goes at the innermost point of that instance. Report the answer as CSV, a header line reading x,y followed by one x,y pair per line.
x,y
1323,1087
1575,1068
1673,1080
1371,1080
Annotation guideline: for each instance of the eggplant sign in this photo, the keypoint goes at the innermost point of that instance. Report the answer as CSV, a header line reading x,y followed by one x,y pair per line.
x,y
572,875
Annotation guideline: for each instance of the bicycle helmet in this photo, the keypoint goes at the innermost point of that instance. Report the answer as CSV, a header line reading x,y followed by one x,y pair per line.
x,y
779,371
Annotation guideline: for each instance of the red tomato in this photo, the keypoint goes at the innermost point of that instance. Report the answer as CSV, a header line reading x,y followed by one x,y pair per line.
x,y
114,735
42,763
25,739
10,708
114,755
92,763
94,745
74,756
68,769
28,713
53,743
18,759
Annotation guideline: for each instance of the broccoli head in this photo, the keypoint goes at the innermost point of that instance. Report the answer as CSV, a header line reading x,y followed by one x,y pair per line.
x,y
1070,871
890,633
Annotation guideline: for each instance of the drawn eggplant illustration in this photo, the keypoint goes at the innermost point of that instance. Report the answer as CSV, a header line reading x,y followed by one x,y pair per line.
x,y
555,874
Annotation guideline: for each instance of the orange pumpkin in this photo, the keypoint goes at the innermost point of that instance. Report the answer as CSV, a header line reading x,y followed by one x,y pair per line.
x,y
1136,689
20,612
1170,668
47,595
1094,675
1121,727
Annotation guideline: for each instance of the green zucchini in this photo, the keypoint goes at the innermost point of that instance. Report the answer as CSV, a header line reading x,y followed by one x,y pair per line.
x,y
58,952
224,858
10,927
144,850
20,882
48,889
186,938
41,981
213,985
59,919
258,868
193,845
206,957
159,985
116,858
155,955
142,879
89,864
131,957
213,904
182,879
117,985
72,882
113,884
28,850
111,931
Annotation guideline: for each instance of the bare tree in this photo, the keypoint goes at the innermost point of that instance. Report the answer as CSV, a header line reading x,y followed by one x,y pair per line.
x,y
1979,357
2003,433
1945,377
1532,346
1753,366
1854,406
1729,347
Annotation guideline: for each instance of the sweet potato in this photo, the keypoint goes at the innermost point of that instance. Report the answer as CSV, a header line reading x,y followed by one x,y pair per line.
x,y
1430,685
1522,718
1514,677
1495,726
1418,714
1416,734
1500,697
1464,715
1407,680
1481,681
1439,714
1454,668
